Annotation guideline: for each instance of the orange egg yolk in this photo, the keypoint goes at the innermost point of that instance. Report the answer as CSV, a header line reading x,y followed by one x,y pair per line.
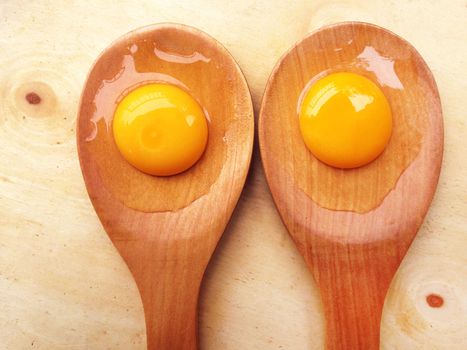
x,y
345,120
160,129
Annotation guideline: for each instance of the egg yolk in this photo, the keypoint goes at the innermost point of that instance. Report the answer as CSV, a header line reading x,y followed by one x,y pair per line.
x,y
345,120
160,129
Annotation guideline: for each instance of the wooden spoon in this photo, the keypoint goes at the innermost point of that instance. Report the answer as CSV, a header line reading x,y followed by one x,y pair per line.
x,y
353,227
166,228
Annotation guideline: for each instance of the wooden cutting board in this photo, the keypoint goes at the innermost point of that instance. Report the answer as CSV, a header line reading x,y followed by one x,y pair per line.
x,y
62,283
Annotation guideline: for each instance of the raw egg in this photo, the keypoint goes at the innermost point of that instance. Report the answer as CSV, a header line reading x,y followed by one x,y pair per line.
x,y
160,129
345,120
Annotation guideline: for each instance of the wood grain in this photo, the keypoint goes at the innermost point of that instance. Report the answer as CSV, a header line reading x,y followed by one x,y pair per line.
x,y
353,255
63,285
167,250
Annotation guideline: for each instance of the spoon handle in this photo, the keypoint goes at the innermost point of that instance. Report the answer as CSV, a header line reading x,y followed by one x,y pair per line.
x,y
168,277
353,280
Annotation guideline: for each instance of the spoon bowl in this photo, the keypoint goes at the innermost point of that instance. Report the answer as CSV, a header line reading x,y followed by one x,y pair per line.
x,y
353,227
166,228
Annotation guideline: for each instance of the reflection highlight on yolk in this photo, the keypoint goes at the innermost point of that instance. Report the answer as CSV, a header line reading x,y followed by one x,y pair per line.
x,y
345,120
160,129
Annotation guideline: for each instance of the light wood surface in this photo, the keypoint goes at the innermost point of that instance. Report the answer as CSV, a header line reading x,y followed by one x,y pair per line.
x,y
353,246
167,244
62,283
